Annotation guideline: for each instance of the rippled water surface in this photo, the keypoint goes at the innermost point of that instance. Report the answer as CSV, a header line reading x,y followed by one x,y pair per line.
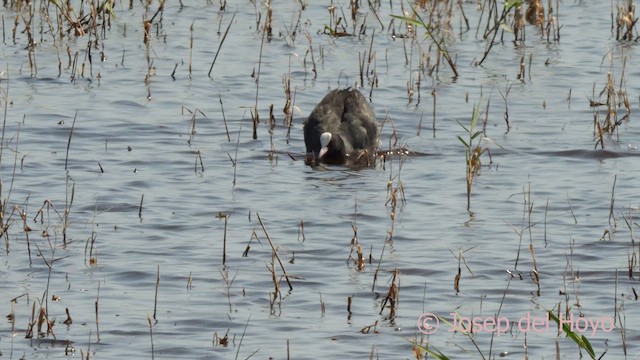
x,y
130,172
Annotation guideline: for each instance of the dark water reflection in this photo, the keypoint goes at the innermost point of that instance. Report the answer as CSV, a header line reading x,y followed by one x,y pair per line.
x,y
143,205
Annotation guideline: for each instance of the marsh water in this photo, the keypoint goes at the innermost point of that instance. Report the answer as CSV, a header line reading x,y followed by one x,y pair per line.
x,y
135,168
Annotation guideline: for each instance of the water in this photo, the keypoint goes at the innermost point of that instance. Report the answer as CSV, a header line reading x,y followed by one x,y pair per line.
x,y
140,195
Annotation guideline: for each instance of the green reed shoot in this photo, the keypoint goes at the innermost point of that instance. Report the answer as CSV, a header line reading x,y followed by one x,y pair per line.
x,y
437,354
579,339
431,350
428,27
500,23
472,150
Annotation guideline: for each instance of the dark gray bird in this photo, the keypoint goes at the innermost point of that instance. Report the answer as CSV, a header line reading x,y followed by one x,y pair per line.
x,y
341,128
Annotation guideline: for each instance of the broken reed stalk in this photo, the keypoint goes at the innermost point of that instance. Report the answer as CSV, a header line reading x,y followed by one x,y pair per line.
x,y
461,259
155,300
90,245
190,281
622,318
224,215
151,335
272,124
505,98
190,49
288,105
5,226
228,283
73,124
43,315
546,210
275,253
88,348
433,125
359,260
615,102
97,318
224,119
493,334
375,274
322,307
613,198
4,117
140,207
220,46
277,294
301,231
575,220
313,60
510,4
198,158
244,331
392,295
526,196
535,272
255,116
67,210
69,320
234,161
192,129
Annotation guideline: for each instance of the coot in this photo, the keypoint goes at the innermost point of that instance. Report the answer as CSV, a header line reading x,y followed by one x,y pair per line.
x,y
342,128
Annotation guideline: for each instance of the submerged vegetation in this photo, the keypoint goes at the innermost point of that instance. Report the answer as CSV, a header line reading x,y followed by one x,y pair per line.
x,y
261,66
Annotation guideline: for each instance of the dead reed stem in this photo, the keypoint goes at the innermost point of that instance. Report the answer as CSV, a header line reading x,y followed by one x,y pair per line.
x,y
220,46
192,130
375,274
244,331
225,216
495,28
97,318
301,231
575,220
4,115
255,115
277,294
234,161
140,207
67,211
313,60
613,198
224,119
227,284
504,295
3,206
393,294
151,335
155,300
73,124
198,158
275,253
190,66
546,210
433,124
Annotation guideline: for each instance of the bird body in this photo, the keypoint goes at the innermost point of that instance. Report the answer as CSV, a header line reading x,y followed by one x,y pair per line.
x,y
340,128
